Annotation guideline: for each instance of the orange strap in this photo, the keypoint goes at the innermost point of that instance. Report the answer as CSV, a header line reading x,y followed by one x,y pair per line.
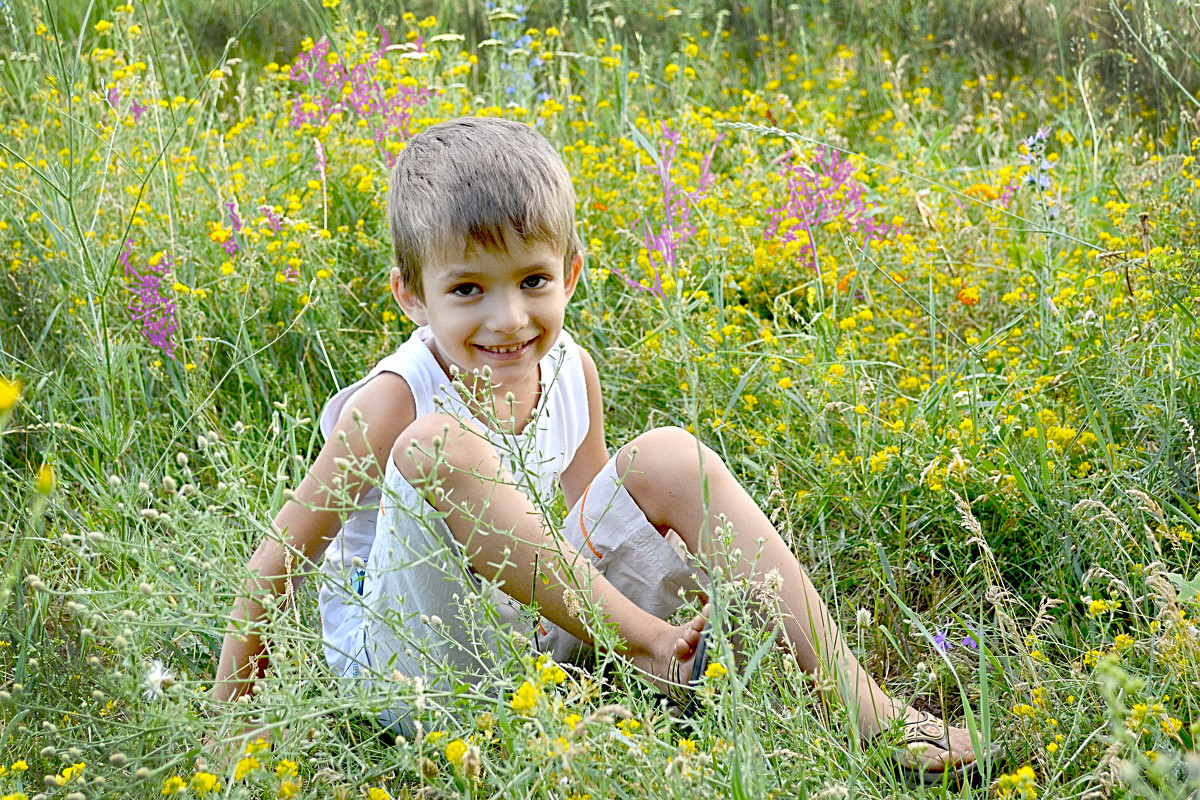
x,y
586,538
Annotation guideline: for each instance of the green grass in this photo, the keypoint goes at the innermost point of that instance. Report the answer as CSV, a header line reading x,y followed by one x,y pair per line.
x,y
981,426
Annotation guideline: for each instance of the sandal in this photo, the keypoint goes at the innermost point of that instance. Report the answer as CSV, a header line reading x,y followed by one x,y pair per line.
x,y
925,732
681,695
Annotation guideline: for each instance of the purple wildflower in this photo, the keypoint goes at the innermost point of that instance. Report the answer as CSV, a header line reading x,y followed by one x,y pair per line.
x,y
663,246
149,305
818,193
230,245
137,109
940,643
272,218
235,222
359,92
1035,157
969,642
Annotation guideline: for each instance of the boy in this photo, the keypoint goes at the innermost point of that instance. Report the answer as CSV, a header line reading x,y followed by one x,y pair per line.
x,y
439,467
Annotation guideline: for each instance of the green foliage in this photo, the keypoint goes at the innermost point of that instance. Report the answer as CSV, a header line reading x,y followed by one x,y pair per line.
x,y
977,429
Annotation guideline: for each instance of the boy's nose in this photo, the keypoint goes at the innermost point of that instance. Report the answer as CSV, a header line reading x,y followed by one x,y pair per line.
x,y
509,314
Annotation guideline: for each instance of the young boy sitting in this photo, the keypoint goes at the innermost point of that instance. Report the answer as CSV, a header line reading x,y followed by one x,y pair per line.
x,y
440,466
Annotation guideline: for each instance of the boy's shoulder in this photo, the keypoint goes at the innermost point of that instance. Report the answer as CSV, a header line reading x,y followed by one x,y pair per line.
x,y
385,395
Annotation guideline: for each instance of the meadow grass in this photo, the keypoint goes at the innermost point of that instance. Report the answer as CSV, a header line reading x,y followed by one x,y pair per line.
x,y
929,288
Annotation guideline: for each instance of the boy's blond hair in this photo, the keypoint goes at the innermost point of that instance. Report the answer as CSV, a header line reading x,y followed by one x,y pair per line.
x,y
471,180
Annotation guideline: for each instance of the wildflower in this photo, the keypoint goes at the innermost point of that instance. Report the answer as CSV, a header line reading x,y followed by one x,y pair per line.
x,y
69,773
174,785
715,671
257,746
549,672
19,766
330,3
455,752
45,480
376,793
286,769
149,305
204,783
157,681
1098,607
525,698
287,790
10,392
821,192
103,26
1020,784
385,109
941,643
245,766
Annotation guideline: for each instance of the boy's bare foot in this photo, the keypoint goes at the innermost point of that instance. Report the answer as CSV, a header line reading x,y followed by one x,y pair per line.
x,y
680,646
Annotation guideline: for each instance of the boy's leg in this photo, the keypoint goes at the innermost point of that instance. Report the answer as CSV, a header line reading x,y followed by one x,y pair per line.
x,y
504,539
662,471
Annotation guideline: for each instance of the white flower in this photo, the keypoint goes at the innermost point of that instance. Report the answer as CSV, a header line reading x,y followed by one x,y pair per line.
x,y
158,680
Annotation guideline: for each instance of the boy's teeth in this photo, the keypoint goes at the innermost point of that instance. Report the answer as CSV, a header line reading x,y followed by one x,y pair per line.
x,y
509,349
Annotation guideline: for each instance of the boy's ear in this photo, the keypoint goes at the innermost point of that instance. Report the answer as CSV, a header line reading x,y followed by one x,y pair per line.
x,y
409,303
573,272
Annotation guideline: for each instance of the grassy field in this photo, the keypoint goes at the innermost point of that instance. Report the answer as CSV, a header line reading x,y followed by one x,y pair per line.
x,y
924,275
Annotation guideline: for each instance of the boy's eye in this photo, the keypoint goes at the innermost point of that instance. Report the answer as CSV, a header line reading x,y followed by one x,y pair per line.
x,y
535,282
464,289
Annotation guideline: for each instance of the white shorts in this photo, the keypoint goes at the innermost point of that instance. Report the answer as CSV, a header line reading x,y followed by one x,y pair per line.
x,y
422,606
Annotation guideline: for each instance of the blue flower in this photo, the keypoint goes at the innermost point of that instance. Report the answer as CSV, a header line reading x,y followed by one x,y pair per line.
x,y
940,643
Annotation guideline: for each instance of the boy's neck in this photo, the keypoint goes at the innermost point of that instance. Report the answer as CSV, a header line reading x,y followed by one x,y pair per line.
x,y
500,409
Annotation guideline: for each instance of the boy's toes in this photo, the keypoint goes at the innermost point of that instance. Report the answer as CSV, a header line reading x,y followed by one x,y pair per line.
x,y
689,636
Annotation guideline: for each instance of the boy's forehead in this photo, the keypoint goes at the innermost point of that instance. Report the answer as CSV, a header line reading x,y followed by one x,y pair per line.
x,y
459,248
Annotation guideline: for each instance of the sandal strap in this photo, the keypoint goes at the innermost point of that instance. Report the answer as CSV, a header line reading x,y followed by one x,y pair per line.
x,y
925,729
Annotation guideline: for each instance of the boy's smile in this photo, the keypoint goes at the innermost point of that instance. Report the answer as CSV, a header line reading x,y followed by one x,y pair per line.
x,y
498,309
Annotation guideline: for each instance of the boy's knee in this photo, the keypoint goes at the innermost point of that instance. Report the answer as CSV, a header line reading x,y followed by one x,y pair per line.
x,y
664,452
438,443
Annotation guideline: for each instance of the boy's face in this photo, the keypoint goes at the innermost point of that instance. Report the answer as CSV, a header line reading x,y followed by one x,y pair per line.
x,y
502,310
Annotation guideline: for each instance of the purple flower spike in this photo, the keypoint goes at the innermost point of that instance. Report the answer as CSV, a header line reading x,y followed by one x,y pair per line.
x,y
385,107
821,192
663,246
149,305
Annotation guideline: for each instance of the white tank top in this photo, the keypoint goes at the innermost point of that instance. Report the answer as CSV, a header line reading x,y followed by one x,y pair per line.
x,y
536,457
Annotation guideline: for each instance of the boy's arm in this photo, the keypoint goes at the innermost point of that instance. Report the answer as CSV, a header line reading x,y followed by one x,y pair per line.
x,y
307,522
592,454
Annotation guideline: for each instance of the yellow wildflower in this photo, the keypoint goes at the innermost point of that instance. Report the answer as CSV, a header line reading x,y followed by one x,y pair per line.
x,y
245,766
45,479
204,783
715,671
10,392
525,698
455,751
